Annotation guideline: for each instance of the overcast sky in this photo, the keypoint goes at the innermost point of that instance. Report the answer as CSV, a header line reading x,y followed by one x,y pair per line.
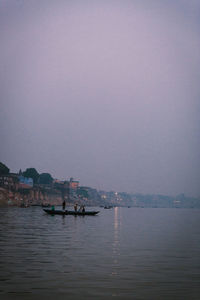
x,y
107,92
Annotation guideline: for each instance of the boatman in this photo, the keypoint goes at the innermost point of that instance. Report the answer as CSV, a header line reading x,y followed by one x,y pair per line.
x,y
63,205
75,207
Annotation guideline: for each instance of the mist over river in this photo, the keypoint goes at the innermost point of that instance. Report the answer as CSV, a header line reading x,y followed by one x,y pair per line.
x,y
122,253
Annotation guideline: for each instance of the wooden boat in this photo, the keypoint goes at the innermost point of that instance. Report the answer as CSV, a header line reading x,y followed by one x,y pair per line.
x,y
70,212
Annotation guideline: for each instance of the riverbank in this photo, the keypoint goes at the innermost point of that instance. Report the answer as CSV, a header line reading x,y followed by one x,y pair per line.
x,y
30,197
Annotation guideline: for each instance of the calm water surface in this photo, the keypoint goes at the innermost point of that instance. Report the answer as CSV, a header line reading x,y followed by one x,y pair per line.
x,y
123,253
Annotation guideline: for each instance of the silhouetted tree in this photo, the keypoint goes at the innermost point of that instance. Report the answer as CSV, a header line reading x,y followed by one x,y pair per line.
x,y
45,178
4,169
31,173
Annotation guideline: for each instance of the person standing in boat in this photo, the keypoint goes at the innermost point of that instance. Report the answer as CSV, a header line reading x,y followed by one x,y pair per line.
x,y
83,208
63,205
75,207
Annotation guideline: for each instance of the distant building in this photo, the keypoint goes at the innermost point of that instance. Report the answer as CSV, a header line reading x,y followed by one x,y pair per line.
x,y
23,186
9,181
73,184
60,183
25,181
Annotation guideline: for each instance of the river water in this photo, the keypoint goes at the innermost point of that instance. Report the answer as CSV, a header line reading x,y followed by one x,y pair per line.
x,y
122,253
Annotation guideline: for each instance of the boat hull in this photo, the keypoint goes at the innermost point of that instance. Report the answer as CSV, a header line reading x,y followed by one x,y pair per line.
x,y
70,212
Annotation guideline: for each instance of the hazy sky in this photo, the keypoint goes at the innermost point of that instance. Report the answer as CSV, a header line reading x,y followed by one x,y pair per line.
x,y
107,92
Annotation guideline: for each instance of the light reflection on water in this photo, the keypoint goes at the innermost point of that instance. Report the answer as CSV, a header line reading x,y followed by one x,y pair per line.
x,y
116,242
126,253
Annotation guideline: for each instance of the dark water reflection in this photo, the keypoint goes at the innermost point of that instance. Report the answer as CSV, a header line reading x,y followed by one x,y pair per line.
x,y
123,253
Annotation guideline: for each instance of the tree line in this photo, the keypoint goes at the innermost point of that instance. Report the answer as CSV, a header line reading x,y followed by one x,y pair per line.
x,y
43,178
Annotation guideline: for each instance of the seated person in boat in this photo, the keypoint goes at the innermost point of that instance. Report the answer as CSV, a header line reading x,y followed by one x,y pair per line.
x,y
82,208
